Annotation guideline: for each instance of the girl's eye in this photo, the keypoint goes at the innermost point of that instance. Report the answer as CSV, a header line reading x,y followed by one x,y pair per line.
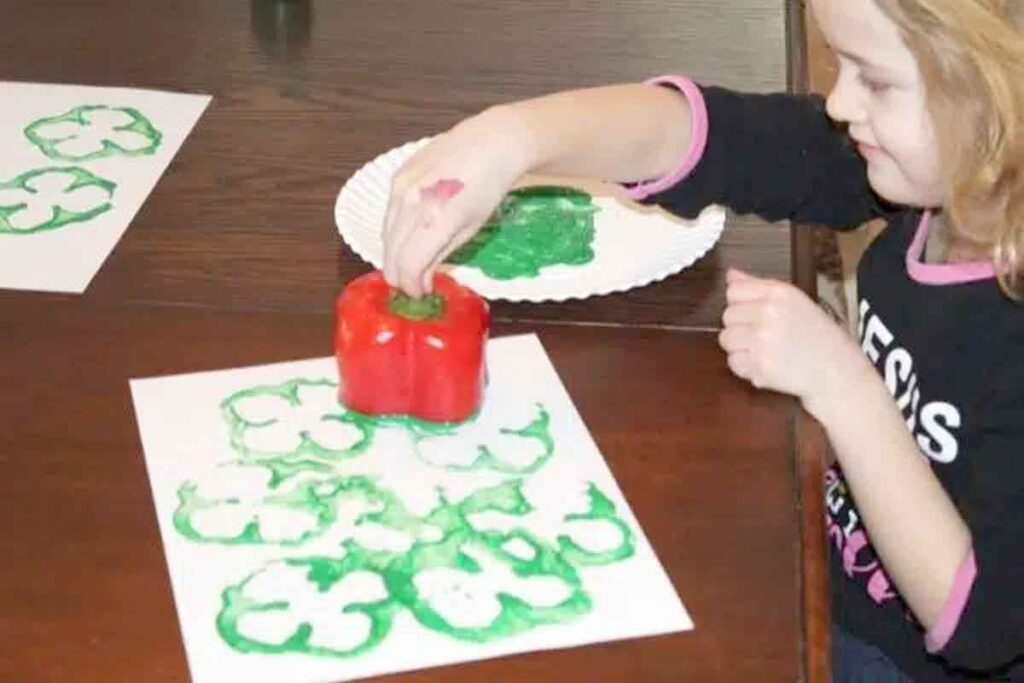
x,y
873,85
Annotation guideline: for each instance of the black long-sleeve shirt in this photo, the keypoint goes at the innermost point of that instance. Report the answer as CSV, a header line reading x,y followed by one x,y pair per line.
x,y
950,347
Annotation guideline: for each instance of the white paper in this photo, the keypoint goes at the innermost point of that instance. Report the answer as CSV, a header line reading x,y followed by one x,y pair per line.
x,y
204,441
120,140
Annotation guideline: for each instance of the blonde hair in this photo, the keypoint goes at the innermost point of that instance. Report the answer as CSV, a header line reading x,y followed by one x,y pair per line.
x,y
971,56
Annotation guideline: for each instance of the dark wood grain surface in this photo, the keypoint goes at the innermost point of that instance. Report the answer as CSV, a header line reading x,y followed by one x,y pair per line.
x,y
704,461
304,93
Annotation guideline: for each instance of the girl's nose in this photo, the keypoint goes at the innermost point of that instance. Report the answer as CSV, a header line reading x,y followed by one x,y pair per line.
x,y
843,104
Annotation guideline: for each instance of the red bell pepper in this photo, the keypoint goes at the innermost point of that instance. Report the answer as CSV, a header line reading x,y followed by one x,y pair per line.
x,y
403,356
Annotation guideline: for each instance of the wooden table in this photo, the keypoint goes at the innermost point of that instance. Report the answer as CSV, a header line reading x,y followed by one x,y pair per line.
x,y
705,462
234,260
306,93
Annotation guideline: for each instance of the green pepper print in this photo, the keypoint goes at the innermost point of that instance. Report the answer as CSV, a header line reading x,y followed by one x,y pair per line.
x,y
600,514
241,504
50,198
295,426
334,607
469,585
480,585
94,131
533,227
360,557
477,446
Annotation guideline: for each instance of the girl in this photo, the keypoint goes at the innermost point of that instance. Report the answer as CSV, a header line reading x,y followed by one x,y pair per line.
x,y
926,414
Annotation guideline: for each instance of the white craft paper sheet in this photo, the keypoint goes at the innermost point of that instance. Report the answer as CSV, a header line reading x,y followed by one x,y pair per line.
x,y
185,437
66,259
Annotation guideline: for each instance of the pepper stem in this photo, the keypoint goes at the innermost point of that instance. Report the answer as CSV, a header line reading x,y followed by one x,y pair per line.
x,y
428,307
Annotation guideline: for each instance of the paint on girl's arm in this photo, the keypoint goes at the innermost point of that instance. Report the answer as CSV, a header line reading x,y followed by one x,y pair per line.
x,y
434,197
443,189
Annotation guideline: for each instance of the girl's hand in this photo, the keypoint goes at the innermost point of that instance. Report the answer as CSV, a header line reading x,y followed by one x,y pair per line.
x,y
445,192
777,338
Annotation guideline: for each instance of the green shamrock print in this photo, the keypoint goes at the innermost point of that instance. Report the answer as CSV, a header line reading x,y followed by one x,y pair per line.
x,y
50,198
94,131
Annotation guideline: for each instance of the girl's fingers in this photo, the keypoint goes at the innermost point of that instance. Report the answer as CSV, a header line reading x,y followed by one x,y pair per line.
x,y
737,275
733,339
745,313
404,209
387,240
460,237
741,291
419,252
740,365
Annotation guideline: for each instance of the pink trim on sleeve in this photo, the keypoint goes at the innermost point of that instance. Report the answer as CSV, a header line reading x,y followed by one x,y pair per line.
x,y
942,273
942,630
698,138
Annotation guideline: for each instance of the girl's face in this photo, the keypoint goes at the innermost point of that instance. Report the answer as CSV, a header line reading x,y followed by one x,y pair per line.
x,y
881,96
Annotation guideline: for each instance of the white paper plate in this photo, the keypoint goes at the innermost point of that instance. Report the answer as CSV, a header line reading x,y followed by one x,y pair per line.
x,y
634,245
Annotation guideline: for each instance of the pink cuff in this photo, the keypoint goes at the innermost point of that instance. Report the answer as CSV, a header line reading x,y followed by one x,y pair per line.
x,y
942,630
698,138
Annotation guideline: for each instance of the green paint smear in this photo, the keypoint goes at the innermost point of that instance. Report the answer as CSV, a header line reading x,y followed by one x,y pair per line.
x,y
532,228
418,427
50,146
61,216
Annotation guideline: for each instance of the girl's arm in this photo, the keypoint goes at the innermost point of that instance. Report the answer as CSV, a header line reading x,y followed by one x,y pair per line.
x,y
917,531
619,132
914,526
956,563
